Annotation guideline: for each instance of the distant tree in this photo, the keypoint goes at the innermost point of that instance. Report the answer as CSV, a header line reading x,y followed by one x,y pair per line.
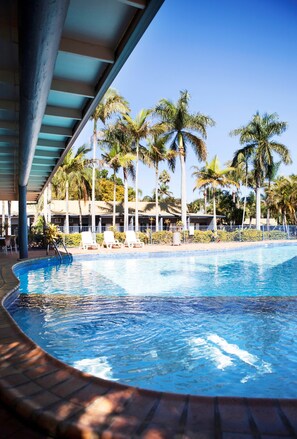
x,y
71,171
182,128
137,129
260,147
211,175
153,155
118,142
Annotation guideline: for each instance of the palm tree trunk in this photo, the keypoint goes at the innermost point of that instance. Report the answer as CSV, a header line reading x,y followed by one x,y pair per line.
x,y
183,185
258,209
94,176
136,187
114,200
9,217
3,218
205,201
244,201
214,212
157,198
49,203
125,200
80,215
67,208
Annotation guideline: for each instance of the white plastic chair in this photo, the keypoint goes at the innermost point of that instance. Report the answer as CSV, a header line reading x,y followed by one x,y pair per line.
x,y
87,241
109,241
132,241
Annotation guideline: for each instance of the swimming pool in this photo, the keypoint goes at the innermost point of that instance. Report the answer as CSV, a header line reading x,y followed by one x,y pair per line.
x,y
201,323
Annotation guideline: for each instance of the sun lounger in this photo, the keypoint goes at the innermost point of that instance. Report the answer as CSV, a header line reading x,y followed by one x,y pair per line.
x,y
132,241
109,241
87,241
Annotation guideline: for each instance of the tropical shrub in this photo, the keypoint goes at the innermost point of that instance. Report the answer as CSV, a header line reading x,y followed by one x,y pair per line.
x,y
99,238
163,237
275,234
143,237
72,240
250,235
225,236
203,236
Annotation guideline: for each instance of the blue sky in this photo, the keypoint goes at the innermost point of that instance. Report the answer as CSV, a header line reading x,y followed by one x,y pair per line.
x,y
234,57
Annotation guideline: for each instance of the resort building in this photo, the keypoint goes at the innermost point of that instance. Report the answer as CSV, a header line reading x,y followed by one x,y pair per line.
x,y
80,216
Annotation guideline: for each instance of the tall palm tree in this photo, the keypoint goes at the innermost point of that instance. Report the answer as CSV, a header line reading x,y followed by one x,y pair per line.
x,y
111,103
182,128
257,136
120,155
81,182
138,129
155,153
71,169
211,175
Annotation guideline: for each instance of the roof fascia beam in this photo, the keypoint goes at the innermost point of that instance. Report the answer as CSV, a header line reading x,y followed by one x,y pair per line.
x,y
6,104
89,50
8,125
67,113
73,87
58,131
140,4
50,144
46,155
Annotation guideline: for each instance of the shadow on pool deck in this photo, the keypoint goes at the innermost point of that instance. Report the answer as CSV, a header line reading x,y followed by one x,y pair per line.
x,y
42,397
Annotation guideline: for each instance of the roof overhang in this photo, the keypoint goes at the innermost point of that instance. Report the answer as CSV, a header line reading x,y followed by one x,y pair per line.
x,y
57,60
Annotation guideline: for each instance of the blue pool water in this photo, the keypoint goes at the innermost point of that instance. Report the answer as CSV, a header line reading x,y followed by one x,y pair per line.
x,y
201,323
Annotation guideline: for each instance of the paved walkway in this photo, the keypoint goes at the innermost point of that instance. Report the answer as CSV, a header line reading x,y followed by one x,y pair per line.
x,y
41,397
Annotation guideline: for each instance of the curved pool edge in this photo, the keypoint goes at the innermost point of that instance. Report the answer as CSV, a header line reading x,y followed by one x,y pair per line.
x,y
67,403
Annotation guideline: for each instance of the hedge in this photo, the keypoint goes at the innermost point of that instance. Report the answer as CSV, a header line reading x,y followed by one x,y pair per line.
x,y
166,237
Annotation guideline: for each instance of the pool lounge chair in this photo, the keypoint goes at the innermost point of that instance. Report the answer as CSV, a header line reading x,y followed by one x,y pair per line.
x,y
87,241
109,241
132,241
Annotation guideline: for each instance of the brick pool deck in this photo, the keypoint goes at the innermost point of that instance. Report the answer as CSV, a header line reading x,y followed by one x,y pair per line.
x,y
41,397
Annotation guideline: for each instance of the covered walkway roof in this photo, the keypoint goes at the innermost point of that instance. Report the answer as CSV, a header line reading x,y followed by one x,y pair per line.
x,y
57,60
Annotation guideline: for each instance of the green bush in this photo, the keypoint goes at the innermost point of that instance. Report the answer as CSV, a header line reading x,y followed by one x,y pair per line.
x,y
250,235
163,237
72,240
99,238
225,236
202,236
275,234
143,237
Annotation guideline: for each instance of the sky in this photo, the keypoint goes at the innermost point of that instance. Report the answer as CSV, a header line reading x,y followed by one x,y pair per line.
x,y
235,57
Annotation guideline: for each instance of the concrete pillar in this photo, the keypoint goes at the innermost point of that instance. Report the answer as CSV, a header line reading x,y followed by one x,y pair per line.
x,y
23,228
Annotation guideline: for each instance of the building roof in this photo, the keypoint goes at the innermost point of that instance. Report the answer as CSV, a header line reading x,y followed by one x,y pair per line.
x,y
57,60
103,208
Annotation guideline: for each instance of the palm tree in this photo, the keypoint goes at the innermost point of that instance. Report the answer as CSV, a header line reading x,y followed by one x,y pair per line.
x,y
120,155
211,175
138,129
155,153
181,130
72,169
111,103
260,147
282,198
81,182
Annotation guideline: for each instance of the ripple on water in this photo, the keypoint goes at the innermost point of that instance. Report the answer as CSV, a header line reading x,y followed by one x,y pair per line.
x,y
211,346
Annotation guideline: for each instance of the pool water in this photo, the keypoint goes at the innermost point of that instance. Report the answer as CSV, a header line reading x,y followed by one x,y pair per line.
x,y
201,323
